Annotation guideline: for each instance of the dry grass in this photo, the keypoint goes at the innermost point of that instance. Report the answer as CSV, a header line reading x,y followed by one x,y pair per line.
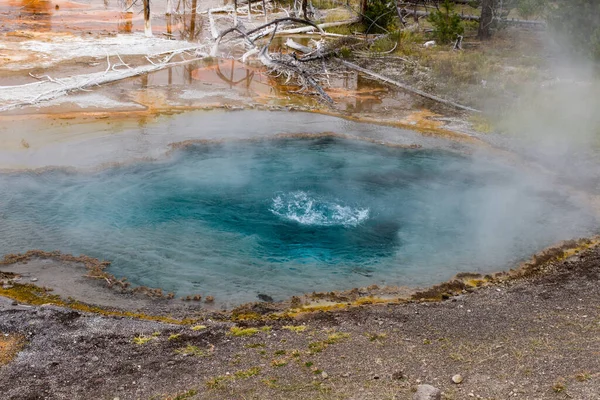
x,y
10,346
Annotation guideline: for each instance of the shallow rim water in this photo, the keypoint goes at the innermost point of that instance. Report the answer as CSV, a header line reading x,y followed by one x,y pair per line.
x,y
104,143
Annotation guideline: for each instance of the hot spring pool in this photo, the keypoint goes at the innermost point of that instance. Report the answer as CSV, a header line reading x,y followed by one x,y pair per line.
x,y
288,216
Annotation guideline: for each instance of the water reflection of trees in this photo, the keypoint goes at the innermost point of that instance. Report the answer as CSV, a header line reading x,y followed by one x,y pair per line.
x,y
187,19
183,23
230,79
125,24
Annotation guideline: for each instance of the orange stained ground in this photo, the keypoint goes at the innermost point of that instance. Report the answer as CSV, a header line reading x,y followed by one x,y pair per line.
x,y
93,16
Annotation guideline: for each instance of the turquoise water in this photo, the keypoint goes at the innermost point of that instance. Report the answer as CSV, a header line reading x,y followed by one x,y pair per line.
x,y
289,216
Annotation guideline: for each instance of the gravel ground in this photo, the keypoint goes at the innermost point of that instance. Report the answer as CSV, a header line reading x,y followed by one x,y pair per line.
x,y
534,338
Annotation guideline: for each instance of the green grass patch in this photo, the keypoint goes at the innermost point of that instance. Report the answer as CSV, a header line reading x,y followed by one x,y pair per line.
x,y
297,329
279,362
247,373
192,351
336,337
141,340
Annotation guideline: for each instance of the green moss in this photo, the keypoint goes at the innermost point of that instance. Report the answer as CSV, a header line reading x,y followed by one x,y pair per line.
x,y
345,52
198,327
237,331
245,316
297,329
34,295
174,336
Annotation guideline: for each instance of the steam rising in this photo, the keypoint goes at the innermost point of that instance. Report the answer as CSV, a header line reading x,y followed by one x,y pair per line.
x,y
555,121
288,216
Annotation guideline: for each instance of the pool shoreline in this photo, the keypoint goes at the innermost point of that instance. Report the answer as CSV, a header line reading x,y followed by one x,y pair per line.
x,y
39,277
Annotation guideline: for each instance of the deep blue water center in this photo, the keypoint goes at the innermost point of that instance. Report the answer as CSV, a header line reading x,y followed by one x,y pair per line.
x,y
288,216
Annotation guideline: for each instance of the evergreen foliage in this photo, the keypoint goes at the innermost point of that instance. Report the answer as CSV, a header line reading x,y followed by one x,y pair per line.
x,y
447,23
379,14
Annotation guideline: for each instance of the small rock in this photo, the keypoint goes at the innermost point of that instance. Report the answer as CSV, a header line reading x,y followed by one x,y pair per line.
x,y
95,359
14,303
324,375
346,374
171,362
34,279
457,379
265,297
427,392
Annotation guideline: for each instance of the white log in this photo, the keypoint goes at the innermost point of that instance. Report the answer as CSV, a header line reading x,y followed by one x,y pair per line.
x,y
406,87
304,29
297,46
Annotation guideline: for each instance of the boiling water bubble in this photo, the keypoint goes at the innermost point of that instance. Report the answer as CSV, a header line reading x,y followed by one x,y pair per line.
x,y
310,209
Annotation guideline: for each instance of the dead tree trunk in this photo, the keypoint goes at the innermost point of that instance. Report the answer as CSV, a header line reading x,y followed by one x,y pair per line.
x,y
193,20
147,20
304,7
363,9
488,8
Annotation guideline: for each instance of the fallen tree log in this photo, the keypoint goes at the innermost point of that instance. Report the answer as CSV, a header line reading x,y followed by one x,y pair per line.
x,y
12,97
406,87
467,17
286,64
307,29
